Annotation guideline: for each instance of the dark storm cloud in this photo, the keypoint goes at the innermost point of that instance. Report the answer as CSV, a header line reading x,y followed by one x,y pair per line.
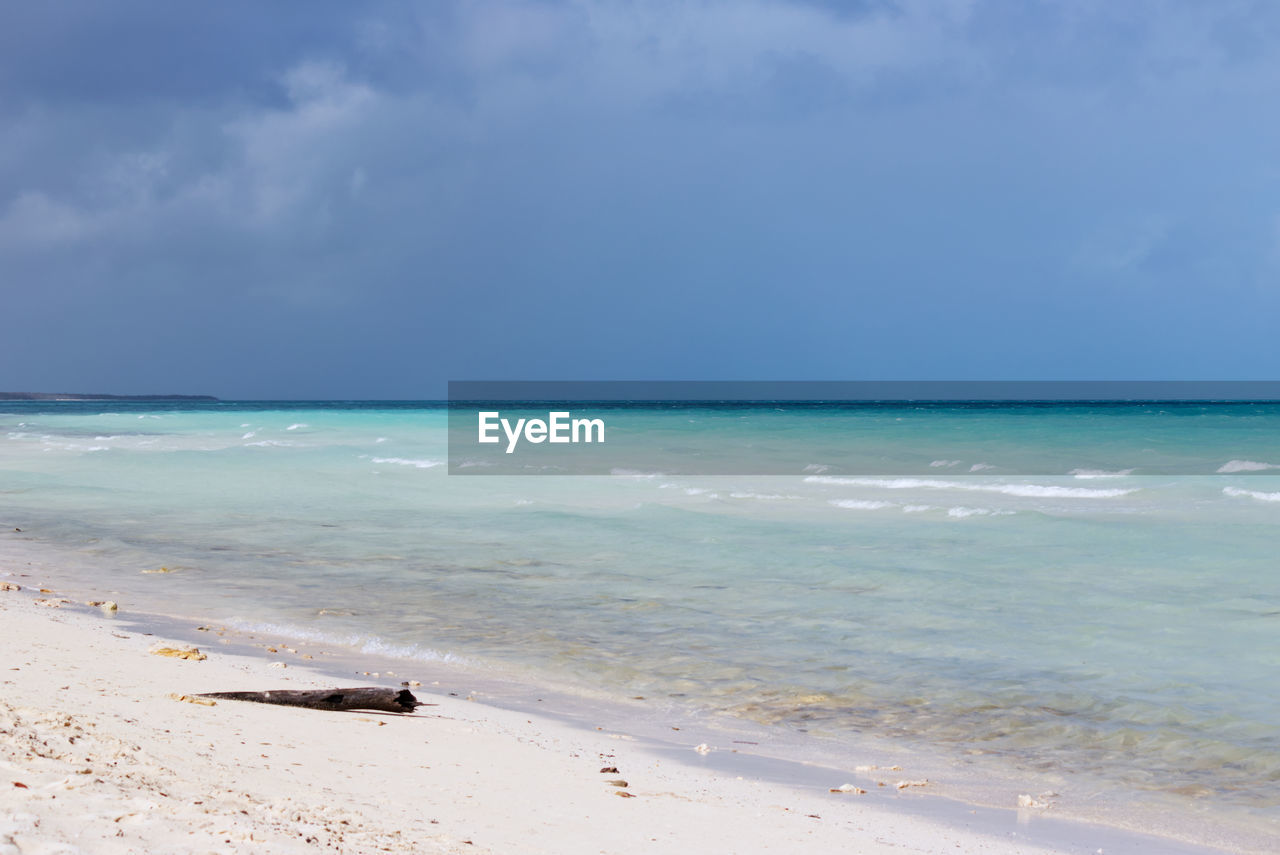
x,y
339,199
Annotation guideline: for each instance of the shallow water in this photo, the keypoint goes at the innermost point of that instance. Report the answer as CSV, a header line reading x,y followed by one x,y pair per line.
x,y
1107,626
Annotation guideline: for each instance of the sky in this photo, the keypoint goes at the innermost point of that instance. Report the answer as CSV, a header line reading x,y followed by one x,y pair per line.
x,y
366,200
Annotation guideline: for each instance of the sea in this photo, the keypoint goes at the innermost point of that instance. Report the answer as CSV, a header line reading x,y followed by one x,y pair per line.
x,y
998,591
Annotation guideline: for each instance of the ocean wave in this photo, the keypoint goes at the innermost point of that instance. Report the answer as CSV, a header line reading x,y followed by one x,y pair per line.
x,y
862,505
1085,474
298,425
368,644
1245,466
405,461
959,512
1252,494
272,443
746,494
1038,491
941,464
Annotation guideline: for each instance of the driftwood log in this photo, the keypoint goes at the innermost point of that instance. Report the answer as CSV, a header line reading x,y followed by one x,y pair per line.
x,y
368,698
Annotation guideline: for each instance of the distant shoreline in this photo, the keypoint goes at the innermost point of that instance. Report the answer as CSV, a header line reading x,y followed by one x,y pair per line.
x,y
67,396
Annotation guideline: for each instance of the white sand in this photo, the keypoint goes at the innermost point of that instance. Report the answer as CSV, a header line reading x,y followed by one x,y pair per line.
x,y
110,763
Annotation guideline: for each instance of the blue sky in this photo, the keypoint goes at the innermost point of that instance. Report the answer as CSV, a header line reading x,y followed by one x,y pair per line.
x,y
366,200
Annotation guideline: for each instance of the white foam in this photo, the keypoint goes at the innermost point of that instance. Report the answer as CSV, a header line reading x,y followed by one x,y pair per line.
x,y
861,504
1100,473
298,425
405,461
250,435
363,643
1252,494
634,473
762,496
1039,491
1246,466
978,467
961,513
938,464
816,467
272,443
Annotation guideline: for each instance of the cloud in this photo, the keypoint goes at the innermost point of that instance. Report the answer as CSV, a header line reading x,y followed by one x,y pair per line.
x,y
409,180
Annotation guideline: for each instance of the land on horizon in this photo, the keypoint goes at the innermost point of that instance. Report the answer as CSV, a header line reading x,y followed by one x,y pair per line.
x,y
73,396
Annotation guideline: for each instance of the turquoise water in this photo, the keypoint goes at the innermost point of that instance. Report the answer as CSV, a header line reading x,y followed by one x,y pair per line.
x,y
1021,595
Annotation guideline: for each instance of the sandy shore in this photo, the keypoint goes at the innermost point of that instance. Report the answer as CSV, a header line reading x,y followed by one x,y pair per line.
x,y
98,756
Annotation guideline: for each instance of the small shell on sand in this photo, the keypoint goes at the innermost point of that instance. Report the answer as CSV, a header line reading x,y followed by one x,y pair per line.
x,y
105,605
192,699
902,785
158,570
1026,801
704,748
849,788
9,586
278,665
53,604
162,649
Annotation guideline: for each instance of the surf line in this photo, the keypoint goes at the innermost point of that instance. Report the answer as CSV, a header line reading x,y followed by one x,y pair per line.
x,y
559,426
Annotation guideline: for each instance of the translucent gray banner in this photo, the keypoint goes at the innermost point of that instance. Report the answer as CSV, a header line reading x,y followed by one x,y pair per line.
x,y
865,428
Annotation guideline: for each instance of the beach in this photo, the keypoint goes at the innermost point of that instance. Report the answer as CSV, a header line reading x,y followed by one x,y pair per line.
x,y
1046,645
101,754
